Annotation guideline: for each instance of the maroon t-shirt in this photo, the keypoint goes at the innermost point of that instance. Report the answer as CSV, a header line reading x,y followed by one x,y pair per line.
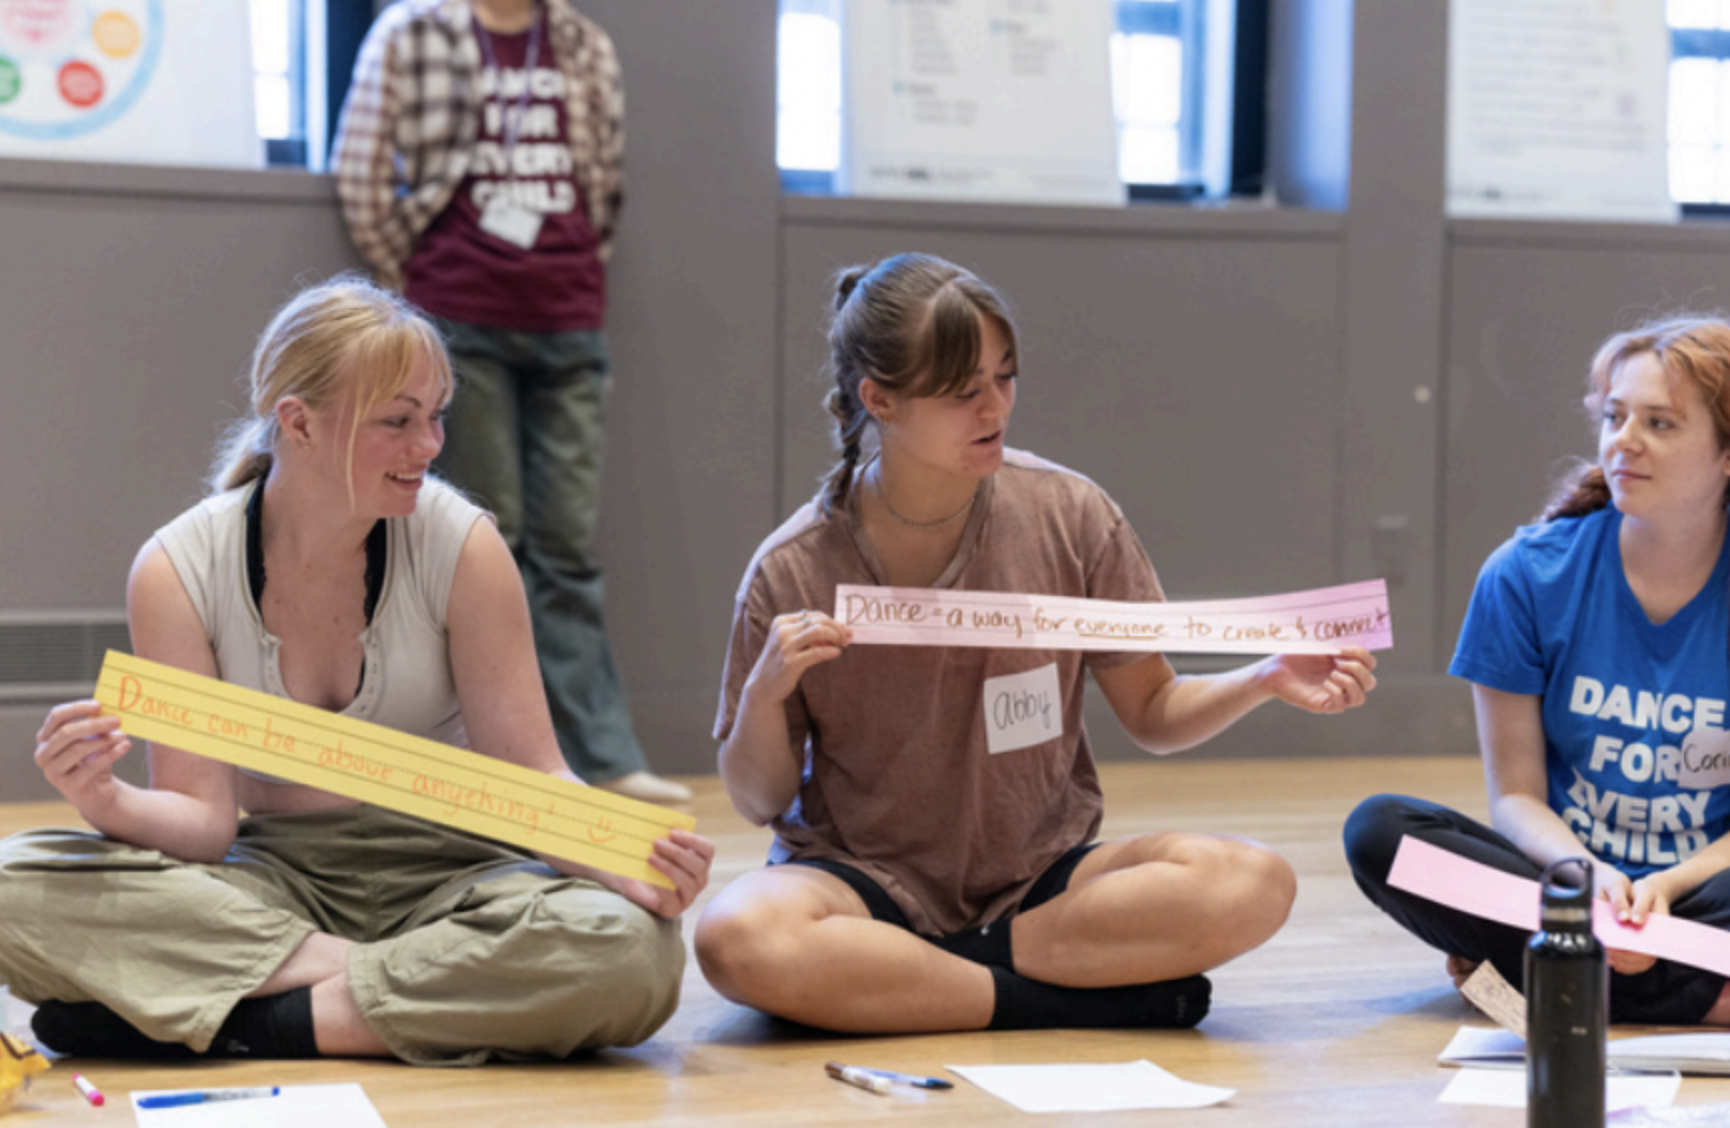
x,y
460,271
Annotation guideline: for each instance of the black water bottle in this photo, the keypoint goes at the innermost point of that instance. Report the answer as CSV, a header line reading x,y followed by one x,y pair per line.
x,y
1567,1001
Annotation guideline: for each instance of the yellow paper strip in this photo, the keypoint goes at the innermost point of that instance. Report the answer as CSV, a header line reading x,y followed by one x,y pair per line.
x,y
378,765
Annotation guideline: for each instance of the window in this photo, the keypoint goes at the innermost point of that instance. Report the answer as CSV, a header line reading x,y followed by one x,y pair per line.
x,y
1163,74
1147,92
808,93
1700,101
279,79
302,56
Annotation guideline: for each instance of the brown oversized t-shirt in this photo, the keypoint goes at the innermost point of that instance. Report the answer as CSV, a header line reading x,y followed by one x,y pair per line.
x,y
897,778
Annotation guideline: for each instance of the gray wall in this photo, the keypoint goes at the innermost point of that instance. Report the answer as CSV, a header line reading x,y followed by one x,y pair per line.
x,y
1279,397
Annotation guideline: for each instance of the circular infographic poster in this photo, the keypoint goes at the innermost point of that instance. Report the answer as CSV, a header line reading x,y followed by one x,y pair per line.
x,y
70,67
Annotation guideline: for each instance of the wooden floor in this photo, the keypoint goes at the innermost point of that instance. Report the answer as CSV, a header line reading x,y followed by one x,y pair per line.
x,y
1336,1021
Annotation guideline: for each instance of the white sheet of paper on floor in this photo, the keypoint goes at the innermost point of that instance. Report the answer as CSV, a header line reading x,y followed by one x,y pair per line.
x,y
1706,1052
1103,1087
1506,1088
1693,1116
1484,1047
327,1106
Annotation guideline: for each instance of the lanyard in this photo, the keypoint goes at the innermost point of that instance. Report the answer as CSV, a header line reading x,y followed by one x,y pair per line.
x,y
514,121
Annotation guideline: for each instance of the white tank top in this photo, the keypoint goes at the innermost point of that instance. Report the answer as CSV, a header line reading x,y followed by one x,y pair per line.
x,y
406,683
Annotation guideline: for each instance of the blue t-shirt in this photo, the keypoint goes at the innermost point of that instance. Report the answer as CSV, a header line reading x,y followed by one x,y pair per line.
x,y
1553,616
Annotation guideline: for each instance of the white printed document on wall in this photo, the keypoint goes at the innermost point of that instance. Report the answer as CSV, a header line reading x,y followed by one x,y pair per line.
x,y
1006,100
1557,109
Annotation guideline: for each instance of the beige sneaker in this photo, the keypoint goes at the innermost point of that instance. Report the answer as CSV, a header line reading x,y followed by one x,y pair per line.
x,y
648,787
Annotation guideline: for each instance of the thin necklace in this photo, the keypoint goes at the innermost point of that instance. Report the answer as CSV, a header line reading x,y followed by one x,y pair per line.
x,y
883,495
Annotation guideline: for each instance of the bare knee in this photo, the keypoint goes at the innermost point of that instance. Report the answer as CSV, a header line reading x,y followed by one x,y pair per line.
x,y
1248,890
1261,887
1270,886
740,945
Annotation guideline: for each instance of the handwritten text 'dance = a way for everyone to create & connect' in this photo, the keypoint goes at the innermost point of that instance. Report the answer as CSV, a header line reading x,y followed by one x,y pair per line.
x,y
1318,621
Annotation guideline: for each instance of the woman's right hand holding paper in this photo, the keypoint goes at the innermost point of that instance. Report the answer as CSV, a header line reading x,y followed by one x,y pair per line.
x,y
796,641
760,764
1612,885
77,748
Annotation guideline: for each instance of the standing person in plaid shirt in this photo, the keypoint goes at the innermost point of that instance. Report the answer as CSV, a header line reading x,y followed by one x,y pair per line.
x,y
480,165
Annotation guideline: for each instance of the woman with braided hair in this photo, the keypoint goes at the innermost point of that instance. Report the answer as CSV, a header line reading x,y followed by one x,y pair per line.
x,y
919,881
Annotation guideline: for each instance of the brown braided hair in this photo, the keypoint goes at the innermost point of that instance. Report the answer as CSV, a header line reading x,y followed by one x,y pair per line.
x,y
911,323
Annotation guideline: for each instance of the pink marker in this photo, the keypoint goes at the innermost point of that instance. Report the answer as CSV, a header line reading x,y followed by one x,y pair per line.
x,y
91,1092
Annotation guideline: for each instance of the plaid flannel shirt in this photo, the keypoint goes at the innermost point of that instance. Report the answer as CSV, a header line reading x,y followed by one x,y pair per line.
x,y
412,115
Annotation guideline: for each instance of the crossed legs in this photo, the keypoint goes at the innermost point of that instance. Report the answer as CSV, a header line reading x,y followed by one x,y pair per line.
x,y
483,954
798,942
1153,907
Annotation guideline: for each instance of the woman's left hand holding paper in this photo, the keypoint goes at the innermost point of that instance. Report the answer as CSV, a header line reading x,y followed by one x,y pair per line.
x,y
1322,683
683,856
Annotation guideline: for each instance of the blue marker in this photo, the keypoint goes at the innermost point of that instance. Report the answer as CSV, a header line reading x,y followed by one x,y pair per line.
x,y
911,1079
836,1070
199,1096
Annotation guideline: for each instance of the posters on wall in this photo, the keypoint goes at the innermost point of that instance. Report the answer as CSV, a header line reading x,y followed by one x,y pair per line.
x,y
157,81
1006,100
1557,109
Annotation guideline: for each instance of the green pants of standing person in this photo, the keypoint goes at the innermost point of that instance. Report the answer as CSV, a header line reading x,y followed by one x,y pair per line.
x,y
525,436
465,950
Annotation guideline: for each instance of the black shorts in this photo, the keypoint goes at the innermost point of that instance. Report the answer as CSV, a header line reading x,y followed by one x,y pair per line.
x,y
882,907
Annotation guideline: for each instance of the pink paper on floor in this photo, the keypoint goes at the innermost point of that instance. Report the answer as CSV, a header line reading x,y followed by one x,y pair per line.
x,y
1460,883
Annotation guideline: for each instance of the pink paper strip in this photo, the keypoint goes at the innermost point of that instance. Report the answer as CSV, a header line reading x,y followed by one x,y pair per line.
x,y
1319,621
1460,883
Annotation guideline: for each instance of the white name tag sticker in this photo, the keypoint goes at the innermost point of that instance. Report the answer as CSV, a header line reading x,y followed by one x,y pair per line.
x,y
1023,709
1705,758
502,218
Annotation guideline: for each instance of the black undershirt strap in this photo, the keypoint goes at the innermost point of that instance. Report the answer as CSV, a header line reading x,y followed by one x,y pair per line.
x,y
375,554
255,545
376,546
